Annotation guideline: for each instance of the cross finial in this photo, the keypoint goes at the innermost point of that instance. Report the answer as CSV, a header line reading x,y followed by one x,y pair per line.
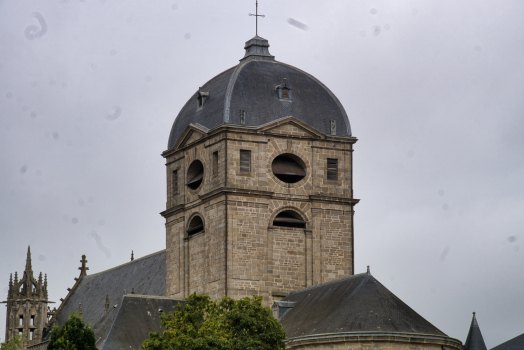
x,y
83,269
132,256
256,18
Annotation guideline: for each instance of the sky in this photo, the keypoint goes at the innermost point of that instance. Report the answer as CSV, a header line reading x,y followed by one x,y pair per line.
x,y
89,90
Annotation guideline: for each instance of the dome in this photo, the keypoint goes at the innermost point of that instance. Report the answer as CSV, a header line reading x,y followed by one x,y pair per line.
x,y
259,90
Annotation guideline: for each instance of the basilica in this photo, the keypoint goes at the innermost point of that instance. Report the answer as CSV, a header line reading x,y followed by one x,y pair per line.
x,y
260,201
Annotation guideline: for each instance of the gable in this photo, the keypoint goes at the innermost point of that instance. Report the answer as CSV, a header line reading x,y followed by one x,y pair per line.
x,y
291,127
191,137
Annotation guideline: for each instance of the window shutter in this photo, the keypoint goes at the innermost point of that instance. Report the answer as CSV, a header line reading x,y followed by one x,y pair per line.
x,y
245,161
215,163
175,182
332,169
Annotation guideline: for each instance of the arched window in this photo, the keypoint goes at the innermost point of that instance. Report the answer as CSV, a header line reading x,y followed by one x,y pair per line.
x,y
195,174
289,218
196,225
289,168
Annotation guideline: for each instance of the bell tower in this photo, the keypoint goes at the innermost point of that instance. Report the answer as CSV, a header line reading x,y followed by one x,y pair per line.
x,y
259,184
27,306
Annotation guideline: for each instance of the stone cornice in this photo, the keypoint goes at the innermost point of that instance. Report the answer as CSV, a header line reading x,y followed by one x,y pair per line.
x,y
323,198
362,337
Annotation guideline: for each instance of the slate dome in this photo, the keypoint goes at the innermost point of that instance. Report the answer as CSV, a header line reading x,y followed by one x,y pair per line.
x,y
248,93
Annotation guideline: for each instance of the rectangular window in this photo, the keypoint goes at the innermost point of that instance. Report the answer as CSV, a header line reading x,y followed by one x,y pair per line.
x,y
332,169
175,182
215,163
32,320
21,320
31,333
20,333
245,161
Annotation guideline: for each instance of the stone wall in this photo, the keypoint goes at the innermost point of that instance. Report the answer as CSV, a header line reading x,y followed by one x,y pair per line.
x,y
241,252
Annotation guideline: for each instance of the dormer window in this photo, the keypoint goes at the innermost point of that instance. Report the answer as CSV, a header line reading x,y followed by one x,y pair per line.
x,y
201,98
284,91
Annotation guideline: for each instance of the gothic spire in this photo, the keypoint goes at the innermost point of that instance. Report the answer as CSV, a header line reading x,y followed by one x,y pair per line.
x,y
28,266
474,341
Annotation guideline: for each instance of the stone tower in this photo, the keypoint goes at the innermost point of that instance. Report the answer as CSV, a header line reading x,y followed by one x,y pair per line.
x,y
259,184
27,306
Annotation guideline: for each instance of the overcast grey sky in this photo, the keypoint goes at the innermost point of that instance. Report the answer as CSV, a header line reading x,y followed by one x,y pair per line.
x,y
89,90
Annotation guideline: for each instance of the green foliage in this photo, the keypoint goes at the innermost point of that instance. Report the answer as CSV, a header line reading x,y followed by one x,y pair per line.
x,y
73,335
228,324
13,344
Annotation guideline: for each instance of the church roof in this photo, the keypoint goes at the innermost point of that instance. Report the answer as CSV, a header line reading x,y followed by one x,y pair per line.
x,y
353,304
146,275
252,87
516,343
474,341
129,324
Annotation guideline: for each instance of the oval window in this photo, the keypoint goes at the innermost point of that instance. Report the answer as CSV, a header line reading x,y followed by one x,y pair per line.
x,y
289,218
195,174
289,168
195,226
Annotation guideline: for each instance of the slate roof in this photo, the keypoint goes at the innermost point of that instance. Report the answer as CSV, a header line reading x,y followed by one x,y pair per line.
x,y
474,341
251,86
516,343
147,275
129,324
357,303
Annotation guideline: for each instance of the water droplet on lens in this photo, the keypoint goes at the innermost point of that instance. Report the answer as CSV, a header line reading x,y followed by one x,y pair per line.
x,y
56,136
81,202
187,36
112,52
23,169
512,239
373,11
478,48
74,220
33,114
376,30
445,206
174,7
441,192
9,95
101,222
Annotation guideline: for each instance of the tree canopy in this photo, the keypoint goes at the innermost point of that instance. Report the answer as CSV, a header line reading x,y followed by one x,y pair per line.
x,y
227,324
12,344
73,335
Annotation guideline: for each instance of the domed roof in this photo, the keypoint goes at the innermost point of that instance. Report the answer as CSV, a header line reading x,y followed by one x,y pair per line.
x,y
251,88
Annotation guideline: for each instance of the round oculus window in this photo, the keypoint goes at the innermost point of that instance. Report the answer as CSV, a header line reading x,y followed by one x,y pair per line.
x,y
288,168
195,174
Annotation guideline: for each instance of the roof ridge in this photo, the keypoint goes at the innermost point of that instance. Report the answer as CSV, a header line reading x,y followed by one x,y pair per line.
x,y
327,283
230,87
129,262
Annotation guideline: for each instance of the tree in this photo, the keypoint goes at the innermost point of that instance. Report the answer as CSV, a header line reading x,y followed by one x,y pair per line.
x,y
13,344
73,335
228,324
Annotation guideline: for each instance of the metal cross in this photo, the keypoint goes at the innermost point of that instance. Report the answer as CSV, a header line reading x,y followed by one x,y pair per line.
x,y
256,18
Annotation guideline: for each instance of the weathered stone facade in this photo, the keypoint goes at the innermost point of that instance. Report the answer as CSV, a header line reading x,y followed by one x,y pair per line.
x,y
240,252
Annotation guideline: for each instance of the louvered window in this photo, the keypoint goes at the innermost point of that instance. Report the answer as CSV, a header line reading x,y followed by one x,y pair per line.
x,y
332,169
285,93
245,161
175,182
215,163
